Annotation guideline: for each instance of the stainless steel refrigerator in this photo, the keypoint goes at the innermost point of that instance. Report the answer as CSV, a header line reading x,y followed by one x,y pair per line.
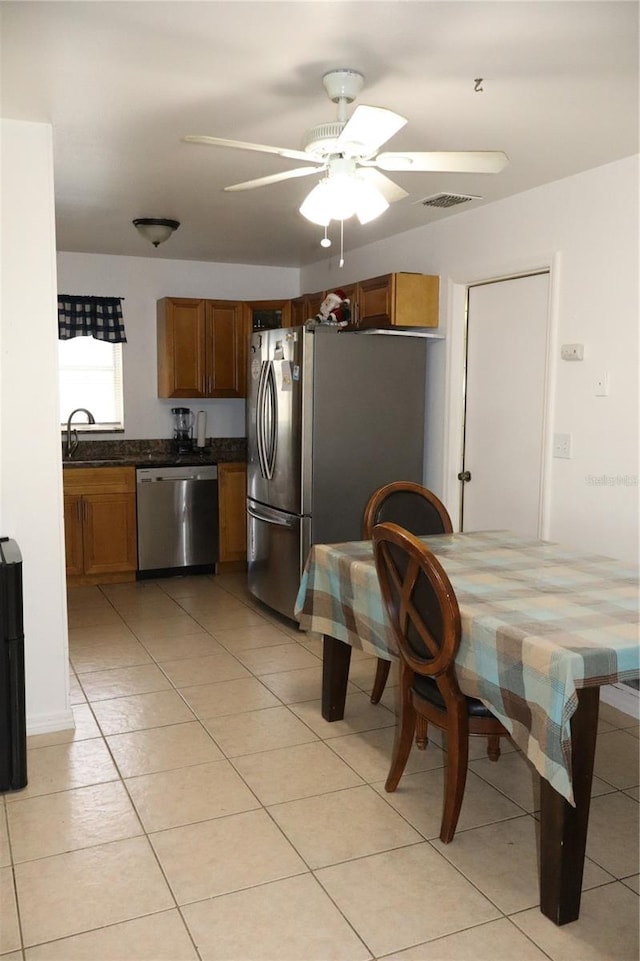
x,y
331,416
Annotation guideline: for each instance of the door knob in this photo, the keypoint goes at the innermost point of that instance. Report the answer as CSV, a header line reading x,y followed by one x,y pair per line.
x,y
464,475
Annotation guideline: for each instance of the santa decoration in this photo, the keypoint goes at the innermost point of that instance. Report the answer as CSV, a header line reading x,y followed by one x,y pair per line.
x,y
335,310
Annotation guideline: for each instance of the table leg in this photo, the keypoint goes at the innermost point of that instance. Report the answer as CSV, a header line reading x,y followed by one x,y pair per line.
x,y
335,676
563,828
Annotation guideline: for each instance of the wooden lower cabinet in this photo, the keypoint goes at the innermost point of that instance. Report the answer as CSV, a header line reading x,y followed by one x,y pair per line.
x,y
232,500
100,524
73,534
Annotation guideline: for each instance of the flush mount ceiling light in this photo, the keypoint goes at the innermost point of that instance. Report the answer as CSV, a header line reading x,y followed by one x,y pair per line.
x,y
155,229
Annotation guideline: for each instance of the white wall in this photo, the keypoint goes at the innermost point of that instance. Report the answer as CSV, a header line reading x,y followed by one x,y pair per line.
x,y
30,470
144,280
586,229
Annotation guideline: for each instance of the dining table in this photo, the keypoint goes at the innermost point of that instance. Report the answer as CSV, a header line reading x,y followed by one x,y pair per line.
x,y
543,628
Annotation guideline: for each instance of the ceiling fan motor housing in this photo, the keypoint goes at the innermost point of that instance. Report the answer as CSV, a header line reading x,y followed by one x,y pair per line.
x,y
344,84
320,140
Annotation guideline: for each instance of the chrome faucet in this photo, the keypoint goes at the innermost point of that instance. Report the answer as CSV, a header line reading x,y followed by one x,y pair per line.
x,y
71,447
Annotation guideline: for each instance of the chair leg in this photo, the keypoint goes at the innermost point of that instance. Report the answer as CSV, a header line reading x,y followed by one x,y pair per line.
x,y
493,747
422,726
405,726
455,771
382,673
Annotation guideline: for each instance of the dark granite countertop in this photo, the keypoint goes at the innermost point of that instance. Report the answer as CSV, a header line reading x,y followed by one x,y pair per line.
x,y
154,453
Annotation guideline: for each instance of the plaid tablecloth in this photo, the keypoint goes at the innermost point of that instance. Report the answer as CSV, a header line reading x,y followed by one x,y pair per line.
x,y
539,621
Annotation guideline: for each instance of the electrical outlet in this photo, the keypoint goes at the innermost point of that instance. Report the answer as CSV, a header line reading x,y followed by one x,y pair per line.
x,y
562,445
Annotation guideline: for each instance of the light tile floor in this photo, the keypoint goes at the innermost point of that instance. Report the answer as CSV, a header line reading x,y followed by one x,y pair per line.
x,y
202,809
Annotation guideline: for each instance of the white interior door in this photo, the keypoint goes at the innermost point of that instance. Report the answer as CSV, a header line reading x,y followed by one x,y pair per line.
x,y
507,324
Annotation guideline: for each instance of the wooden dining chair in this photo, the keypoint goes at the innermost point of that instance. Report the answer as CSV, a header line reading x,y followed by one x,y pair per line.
x,y
417,510
423,611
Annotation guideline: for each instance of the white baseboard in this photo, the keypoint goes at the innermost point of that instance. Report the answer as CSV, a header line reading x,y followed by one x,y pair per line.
x,y
625,698
48,723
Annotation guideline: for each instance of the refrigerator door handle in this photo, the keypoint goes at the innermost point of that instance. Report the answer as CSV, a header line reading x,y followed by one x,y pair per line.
x,y
259,418
271,517
267,419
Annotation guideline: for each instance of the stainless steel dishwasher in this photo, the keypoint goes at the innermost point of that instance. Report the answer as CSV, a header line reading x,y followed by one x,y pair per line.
x,y
177,517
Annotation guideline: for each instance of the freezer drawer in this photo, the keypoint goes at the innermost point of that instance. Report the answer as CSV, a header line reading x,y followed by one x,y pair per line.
x,y
276,550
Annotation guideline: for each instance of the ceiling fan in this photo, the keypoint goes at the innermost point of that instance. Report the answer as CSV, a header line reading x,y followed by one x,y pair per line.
x,y
346,151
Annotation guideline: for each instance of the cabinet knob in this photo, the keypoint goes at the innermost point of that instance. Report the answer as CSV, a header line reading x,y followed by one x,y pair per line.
x,y
464,476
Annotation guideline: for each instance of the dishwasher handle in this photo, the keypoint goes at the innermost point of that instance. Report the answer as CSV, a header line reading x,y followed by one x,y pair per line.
x,y
155,475
270,516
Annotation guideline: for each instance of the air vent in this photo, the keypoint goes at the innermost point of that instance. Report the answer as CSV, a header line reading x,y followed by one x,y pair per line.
x,y
446,200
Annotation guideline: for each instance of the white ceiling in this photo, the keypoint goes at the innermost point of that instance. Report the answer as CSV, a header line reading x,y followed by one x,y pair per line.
x,y
122,82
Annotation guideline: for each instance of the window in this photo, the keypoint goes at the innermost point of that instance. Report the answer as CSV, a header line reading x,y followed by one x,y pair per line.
x,y
91,377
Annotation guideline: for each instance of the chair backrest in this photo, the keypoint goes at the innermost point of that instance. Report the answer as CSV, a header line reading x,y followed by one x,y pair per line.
x,y
410,505
420,602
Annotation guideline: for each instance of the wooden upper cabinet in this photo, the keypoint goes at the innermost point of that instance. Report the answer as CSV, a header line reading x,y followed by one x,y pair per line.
x,y
306,308
268,314
402,299
298,312
226,349
201,348
181,347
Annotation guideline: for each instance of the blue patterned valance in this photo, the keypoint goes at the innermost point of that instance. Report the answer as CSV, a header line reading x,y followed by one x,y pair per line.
x,y
99,317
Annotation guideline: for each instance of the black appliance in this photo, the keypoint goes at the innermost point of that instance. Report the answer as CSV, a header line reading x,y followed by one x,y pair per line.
x,y
182,430
13,725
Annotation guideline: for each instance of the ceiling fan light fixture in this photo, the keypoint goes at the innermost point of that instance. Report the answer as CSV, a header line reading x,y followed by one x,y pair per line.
x,y
369,202
341,195
155,229
332,199
316,206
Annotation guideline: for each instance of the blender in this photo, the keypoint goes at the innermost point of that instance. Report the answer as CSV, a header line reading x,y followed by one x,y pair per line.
x,y
182,430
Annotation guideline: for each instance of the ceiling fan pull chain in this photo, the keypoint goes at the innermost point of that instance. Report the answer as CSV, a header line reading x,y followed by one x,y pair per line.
x,y
341,262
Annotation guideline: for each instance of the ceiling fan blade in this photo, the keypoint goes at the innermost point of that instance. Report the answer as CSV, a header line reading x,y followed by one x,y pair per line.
x,y
275,178
242,145
456,161
367,129
389,190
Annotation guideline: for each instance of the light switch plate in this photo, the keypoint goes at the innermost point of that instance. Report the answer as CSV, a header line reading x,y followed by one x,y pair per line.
x,y
562,445
572,351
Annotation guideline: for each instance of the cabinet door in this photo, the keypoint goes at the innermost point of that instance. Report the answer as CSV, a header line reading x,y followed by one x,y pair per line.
x,y
232,499
312,304
73,533
305,308
226,349
350,292
181,348
298,312
375,302
415,300
109,533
